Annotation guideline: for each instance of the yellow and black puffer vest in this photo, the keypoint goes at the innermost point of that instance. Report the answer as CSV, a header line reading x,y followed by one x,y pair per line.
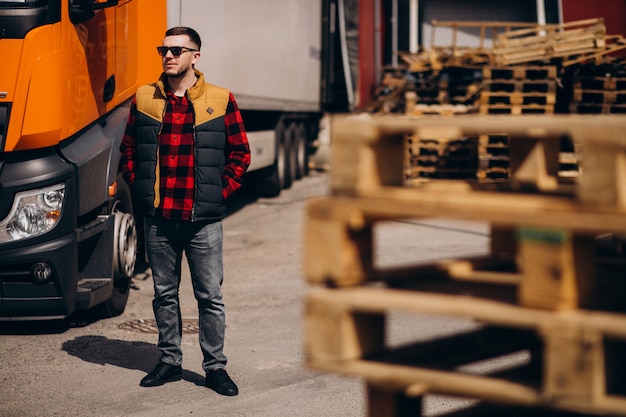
x,y
209,104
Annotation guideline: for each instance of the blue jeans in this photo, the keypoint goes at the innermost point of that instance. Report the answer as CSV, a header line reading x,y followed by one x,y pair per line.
x,y
202,243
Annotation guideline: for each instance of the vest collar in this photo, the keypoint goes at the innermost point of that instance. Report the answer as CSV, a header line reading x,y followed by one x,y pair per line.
x,y
194,92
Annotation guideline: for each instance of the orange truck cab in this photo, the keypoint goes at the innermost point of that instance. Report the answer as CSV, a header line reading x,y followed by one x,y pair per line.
x,y
69,69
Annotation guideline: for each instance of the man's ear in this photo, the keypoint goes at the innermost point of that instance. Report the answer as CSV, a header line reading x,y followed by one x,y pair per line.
x,y
196,57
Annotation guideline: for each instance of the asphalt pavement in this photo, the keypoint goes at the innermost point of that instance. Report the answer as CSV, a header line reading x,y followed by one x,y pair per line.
x,y
85,367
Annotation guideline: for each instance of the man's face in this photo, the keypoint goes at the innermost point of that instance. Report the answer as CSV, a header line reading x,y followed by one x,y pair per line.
x,y
178,66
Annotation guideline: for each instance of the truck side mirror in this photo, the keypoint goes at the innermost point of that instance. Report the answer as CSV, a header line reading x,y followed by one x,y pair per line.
x,y
83,10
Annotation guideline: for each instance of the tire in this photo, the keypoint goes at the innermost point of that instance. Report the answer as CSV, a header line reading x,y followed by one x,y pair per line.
x,y
301,149
269,182
124,252
265,182
291,156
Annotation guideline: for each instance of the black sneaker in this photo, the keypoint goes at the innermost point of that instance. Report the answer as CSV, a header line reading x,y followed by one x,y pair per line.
x,y
161,374
219,381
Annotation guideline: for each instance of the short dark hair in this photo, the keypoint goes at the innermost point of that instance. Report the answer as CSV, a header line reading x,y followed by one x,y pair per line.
x,y
182,30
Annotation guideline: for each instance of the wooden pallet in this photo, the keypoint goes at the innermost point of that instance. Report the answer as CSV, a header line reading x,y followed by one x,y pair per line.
x,y
599,96
509,92
544,42
541,290
516,109
520,72
571,354
369,152
587,108
491,98
600,83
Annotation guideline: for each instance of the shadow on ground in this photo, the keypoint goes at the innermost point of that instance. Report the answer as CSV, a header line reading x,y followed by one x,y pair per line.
x,y
135,355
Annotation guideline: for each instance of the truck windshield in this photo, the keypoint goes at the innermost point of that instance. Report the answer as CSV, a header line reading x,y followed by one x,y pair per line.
x,y
18,17
22,3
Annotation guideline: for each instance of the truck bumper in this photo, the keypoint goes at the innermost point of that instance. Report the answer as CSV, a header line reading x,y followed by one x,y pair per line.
x,y
23,299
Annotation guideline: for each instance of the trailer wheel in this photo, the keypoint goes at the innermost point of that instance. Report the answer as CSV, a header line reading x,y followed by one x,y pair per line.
x,y
268,182
283,155
124,252
291,156
302,156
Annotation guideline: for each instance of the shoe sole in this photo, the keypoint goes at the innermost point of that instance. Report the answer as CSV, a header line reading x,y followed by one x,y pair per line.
x,y
164,381
226,393
221,391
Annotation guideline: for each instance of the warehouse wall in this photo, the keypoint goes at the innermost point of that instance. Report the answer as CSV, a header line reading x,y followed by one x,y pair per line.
x,y
613,12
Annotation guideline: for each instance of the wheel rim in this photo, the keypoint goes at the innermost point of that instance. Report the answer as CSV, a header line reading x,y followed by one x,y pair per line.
x,y
125,245
282,156
301,151
128,245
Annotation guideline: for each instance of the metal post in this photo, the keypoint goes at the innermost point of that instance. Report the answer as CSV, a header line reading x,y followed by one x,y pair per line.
x,y
413,26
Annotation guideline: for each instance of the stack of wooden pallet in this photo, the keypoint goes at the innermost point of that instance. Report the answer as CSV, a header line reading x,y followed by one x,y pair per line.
x,y
441,157
484,158
453,90
493,157
446,75
600,89
540,289
518,90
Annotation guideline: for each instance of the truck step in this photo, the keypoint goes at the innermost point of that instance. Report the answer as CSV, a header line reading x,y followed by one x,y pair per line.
x,y
91,292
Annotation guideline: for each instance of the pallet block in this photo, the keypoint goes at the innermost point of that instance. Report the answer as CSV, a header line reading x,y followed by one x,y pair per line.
x,y
345,334
556,268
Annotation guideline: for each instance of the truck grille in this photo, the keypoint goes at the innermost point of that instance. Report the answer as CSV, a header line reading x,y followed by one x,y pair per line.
x,y
5,109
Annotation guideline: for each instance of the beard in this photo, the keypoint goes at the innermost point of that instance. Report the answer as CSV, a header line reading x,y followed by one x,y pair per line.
x,y
178,74
182,71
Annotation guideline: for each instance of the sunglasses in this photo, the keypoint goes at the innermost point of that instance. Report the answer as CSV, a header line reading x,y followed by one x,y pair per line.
x,y
176,50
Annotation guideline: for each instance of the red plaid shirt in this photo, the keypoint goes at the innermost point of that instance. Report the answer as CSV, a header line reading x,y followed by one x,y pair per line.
x,y
176,157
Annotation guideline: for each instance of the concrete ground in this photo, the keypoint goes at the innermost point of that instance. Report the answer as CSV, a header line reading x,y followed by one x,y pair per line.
x,y
81,367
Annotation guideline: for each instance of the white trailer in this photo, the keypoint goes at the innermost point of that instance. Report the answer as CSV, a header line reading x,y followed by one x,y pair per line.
x,y
268,53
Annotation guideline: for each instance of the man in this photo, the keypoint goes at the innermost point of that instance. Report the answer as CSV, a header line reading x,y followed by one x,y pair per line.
x,y
184,153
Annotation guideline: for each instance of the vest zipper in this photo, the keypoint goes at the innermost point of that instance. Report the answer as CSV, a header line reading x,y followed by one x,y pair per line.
x,y
195,159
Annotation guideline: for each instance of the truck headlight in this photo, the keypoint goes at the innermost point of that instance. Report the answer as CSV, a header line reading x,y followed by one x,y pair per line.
x,y
33,213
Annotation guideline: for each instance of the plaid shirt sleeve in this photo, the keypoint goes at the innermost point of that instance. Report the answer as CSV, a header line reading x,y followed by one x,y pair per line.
x,y
128,147
237,149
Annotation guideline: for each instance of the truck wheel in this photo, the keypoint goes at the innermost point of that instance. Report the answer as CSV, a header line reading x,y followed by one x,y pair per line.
x,y
124,252
302,156
291,157
125,245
